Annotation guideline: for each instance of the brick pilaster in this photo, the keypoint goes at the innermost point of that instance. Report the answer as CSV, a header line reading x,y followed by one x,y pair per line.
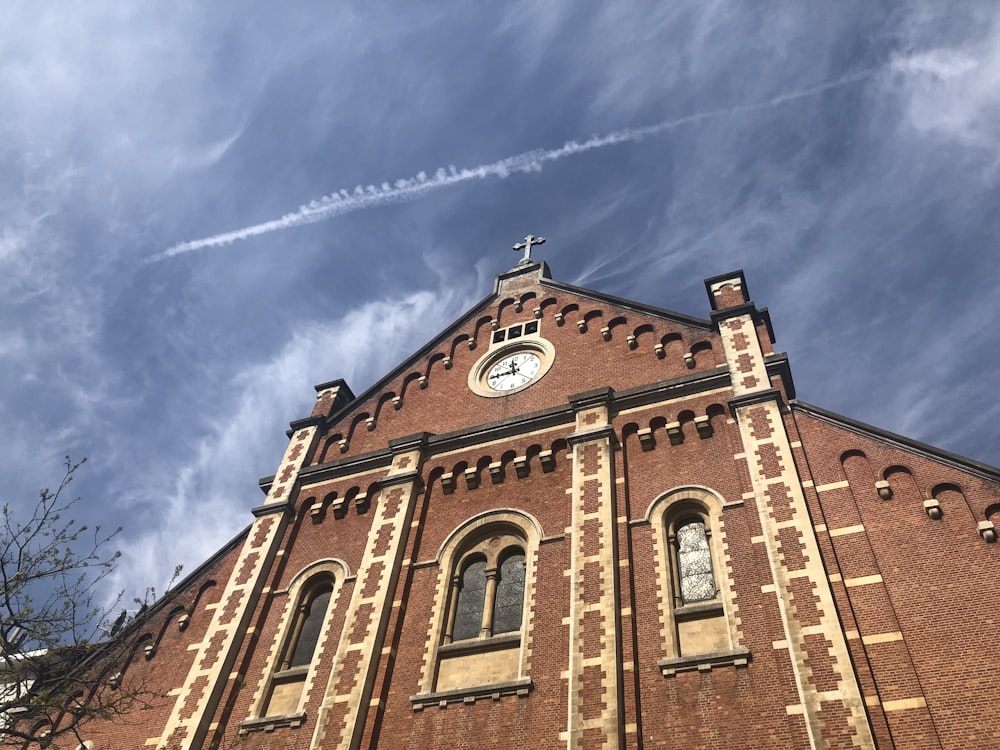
x,y
594,721
830,701
210,674
342,715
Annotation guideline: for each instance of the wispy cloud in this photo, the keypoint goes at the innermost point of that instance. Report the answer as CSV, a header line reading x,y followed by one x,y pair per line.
x,y
407,189
245,432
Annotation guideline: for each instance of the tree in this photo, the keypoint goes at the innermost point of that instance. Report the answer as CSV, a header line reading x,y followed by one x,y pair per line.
x,y
62,651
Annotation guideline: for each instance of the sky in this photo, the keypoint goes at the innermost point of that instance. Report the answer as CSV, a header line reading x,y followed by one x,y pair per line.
x,y
207,208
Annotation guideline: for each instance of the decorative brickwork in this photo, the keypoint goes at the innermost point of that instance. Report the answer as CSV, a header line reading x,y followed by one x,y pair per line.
x,y
189,722
707,562
594,682
346,703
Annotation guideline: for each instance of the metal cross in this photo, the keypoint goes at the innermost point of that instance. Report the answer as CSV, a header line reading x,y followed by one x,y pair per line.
x,y
526,246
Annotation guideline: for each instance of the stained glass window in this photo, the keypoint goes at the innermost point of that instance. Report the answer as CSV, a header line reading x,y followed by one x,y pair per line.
x,y
471,598
314,614
510,595
694,562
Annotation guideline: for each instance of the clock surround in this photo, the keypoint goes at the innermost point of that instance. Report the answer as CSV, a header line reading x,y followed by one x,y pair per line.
x,y
511,367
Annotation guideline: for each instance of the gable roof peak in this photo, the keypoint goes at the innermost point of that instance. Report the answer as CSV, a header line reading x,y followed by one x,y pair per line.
x,y
521,273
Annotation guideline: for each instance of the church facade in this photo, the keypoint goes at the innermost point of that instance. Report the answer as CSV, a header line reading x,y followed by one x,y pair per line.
x,y
576,521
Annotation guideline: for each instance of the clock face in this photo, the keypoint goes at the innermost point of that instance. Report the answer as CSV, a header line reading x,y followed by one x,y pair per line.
x,y
513,371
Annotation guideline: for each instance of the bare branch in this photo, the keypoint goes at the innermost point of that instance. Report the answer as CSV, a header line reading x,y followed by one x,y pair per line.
x,y
63,653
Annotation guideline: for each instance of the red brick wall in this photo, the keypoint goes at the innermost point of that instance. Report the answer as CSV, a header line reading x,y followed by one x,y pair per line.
x,y
939,583
583,361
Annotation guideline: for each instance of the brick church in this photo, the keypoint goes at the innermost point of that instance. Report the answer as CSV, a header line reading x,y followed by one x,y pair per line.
x,y
577,521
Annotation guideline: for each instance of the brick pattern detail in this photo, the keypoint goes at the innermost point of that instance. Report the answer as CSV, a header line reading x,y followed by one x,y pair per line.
x,y
344,711
830,701
743,354
594,637
874,612
829,697
261,530
195,704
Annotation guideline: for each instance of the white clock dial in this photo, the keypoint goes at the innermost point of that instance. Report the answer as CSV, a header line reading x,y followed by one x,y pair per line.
x,y
513,371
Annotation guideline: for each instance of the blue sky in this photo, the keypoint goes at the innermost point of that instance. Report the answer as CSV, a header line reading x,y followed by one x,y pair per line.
x,y
846,155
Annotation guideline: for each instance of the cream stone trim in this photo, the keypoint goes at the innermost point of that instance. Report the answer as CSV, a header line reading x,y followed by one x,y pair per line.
x,y
832,486
606,714
730,329
844,530
904,703
882,637
368,615
513,516
862,581
848,692
447,557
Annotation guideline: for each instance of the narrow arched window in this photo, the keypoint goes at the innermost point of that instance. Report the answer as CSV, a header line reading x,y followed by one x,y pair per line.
x,y
694,562
312,614
471,598
299,650
510,594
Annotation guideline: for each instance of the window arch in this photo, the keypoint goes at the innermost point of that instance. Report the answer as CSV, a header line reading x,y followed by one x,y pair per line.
x,y
487,590
699,625
483,605
304,628
311,614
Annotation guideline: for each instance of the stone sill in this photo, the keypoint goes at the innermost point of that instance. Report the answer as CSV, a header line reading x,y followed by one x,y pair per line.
x,y
480,645
739,657
270,723
520,688
697,610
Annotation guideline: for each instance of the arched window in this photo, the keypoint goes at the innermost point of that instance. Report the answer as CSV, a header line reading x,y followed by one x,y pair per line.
x,y
310,620
298,651
688,534
479,625
487,591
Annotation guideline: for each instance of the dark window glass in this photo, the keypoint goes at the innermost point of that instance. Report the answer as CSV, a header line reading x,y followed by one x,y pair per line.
x,y
498,336
510,595
513,332
694,562
309,634
471,597
531,327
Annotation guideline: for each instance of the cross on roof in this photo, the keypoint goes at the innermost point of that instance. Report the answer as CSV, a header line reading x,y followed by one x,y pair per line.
x,y
526,246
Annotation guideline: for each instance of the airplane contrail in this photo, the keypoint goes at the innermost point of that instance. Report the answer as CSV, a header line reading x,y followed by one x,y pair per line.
x,y
407,189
